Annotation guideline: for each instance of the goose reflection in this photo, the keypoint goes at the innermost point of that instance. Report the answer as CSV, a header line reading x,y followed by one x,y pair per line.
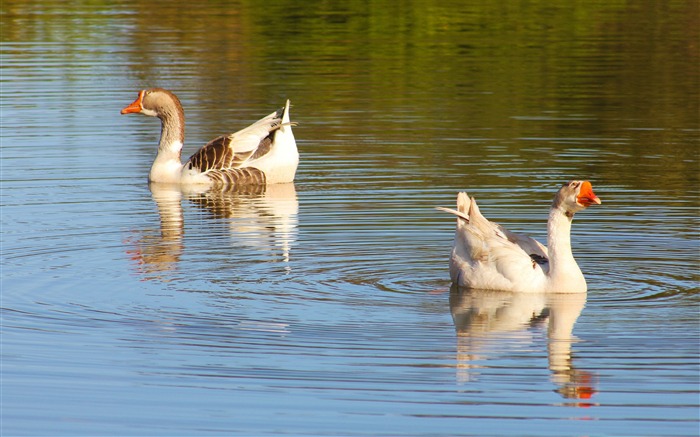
x,y
263,217
485,320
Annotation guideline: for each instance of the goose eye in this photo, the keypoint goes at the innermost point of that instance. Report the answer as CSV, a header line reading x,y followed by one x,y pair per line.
x,y
575,184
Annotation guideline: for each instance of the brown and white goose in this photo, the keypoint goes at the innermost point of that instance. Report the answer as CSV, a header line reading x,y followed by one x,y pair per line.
x,y
263,153
487,256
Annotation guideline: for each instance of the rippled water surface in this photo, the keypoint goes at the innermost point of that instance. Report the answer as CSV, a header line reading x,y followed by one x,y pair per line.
x,y
324,307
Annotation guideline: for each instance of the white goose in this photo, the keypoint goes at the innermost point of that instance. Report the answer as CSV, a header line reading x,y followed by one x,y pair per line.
x,y
263,153
487,256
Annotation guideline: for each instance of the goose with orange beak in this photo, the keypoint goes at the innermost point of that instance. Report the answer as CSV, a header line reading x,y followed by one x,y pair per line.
x,y
485,255
263,153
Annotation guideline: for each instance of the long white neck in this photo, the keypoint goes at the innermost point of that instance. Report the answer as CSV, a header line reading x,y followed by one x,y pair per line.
x,y
564,274
167,166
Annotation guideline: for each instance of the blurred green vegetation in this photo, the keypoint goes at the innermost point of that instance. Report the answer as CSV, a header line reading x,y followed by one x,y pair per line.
x,y
622,77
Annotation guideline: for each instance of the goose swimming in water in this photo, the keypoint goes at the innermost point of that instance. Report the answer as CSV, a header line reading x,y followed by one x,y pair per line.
x,y
485,255
263,153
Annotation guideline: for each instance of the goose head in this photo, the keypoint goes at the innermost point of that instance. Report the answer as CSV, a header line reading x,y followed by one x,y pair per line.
x,y
156,102
575,196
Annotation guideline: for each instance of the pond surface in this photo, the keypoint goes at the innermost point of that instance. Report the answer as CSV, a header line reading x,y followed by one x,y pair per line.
x,y
324,307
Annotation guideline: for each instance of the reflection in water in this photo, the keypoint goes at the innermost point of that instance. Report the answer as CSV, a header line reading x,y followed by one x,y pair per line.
x,y
156,252
265,215
483,317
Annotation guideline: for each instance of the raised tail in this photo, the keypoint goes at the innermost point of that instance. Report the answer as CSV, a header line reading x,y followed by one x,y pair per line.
x,y
285,113
286,125
464,204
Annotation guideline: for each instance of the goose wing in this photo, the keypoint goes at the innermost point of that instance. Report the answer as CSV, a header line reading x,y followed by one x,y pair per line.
x,y
223,157
486,255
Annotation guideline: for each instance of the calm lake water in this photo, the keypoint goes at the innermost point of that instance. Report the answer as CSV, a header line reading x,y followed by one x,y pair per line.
x,y
324,307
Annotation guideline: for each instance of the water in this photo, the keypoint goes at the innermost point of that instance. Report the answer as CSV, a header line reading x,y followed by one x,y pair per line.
x,y
324,307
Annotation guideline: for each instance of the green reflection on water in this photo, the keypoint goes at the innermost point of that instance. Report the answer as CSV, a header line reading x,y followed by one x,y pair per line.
x,y
603,90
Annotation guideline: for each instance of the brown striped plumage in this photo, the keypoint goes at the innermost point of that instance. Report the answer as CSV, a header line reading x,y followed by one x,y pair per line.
x,y
264,152
219,153
236,176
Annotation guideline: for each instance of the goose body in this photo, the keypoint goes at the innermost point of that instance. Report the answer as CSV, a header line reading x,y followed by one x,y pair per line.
x,y
262,153
487,256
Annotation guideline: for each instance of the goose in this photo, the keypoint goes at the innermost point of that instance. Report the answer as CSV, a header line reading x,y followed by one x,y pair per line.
x,y
487,256
263,153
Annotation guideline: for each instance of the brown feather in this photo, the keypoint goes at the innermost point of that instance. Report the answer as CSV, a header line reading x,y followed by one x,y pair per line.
x,y
223,165
217,154
264,146
235,176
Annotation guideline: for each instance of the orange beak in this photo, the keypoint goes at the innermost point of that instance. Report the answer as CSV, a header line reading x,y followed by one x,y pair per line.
x,y
586,196
135,106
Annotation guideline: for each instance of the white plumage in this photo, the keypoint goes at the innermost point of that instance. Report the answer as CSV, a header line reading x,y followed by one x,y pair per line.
x,y
487,256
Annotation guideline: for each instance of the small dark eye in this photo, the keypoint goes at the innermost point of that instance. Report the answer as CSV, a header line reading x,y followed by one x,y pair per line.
x,y
575,184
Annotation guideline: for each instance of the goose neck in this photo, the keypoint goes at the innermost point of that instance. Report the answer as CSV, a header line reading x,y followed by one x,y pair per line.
x,y
172,132
564,273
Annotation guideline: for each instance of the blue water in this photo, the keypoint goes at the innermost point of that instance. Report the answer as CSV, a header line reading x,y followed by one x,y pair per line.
x,y
324,307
